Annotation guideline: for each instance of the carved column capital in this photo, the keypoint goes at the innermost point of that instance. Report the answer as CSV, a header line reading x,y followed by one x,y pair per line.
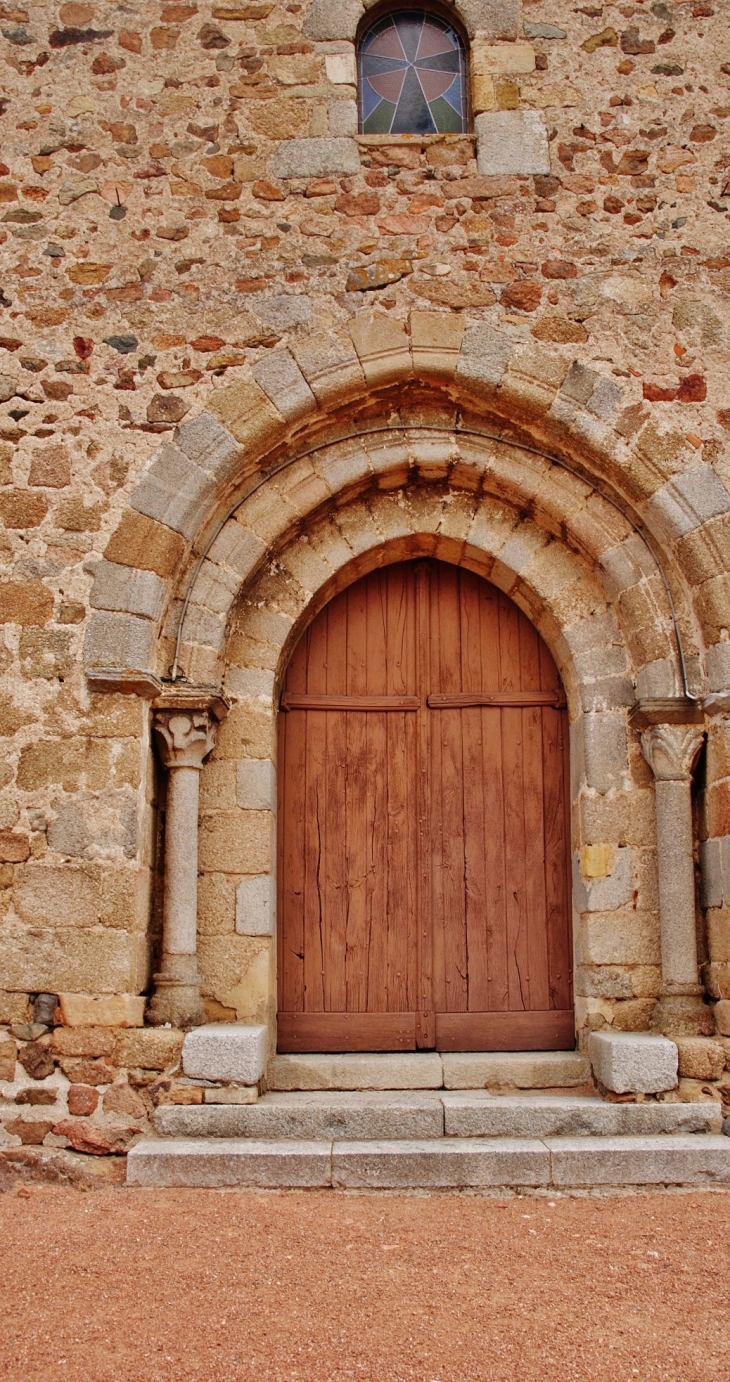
x,y
672,750
184,737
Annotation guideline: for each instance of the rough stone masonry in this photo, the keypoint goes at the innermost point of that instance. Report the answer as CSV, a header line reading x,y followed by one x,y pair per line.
x,y
206,273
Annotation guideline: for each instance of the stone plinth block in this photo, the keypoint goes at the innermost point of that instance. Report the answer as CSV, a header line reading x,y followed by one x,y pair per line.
x,y
512,141
225,1051
315,158
635,1062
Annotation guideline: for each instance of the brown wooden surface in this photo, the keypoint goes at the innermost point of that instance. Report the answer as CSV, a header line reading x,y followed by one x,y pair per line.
x,y
423,823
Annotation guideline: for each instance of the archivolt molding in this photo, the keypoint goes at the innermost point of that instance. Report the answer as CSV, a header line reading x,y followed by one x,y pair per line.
x,y
274,436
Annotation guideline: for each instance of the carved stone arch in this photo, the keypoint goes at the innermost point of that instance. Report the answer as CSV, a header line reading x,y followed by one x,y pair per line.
x,y
461,375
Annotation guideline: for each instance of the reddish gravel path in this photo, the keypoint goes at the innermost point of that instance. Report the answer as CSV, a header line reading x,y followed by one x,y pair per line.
x,y
180,1286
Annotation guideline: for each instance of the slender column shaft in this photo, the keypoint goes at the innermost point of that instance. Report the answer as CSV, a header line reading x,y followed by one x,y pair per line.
x,y
672,752
180,906
184,739
676,883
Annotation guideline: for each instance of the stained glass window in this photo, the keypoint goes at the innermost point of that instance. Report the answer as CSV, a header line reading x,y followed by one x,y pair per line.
x,y
412,72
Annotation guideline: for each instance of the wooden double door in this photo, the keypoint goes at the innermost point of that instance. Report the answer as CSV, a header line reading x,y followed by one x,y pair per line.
x,y
423,824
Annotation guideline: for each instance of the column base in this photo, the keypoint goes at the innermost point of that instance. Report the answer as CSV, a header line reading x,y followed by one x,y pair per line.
x,y
176,998
681,1011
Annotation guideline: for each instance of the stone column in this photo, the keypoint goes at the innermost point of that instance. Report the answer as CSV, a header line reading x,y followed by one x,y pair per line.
x,y
672,751
185,737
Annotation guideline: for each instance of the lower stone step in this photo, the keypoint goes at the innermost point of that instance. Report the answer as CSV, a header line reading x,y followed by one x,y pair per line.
x,y
383,1115
446,1163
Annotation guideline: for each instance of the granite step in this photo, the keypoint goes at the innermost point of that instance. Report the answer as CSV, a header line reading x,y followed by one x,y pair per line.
x,y
410,1070
405,1115
436,1163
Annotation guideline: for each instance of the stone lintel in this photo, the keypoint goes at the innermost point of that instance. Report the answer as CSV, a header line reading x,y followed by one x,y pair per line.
x,y
189,696
125,681
666,710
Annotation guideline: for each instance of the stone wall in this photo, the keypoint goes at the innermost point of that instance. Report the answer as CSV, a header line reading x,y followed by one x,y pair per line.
x,y
207,273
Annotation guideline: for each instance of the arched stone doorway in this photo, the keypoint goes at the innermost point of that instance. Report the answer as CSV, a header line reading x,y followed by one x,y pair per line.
x,y
423,854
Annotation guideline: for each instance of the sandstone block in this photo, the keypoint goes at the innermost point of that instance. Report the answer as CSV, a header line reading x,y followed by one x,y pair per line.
x,y
315,158
333,19
715,869
118,640
139,541
331,368
210,446
340,68
174,491
282,380
633,1062
383,348
484,357
512,141
102,1010
148,1048
256,784
492,19
247,412
231,1094
8,1056
501,58
226,1051
604,894
256,905
436,341
722,1017
700,1058
125,589
523,1070
342,119
58,958
82,1041
690,499
606,760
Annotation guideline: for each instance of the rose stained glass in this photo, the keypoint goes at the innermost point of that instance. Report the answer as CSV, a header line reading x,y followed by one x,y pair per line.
x,y
412,76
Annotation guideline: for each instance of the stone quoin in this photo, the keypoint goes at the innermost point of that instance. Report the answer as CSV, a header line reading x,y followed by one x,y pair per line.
x,y
298,304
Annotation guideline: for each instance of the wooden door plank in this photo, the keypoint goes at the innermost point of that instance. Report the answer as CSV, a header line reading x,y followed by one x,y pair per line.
x,y
557,857
334,875
401,767
425,1024
346,1031
476,921
533,807
299,701
356,813
290,890
450,942
493,791
511,1031
377,769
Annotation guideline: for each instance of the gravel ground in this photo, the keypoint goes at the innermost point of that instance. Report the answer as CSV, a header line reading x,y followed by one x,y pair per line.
x,y
150,1286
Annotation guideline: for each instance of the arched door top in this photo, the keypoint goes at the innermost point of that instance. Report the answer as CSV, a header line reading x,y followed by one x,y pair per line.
x,y
423,867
